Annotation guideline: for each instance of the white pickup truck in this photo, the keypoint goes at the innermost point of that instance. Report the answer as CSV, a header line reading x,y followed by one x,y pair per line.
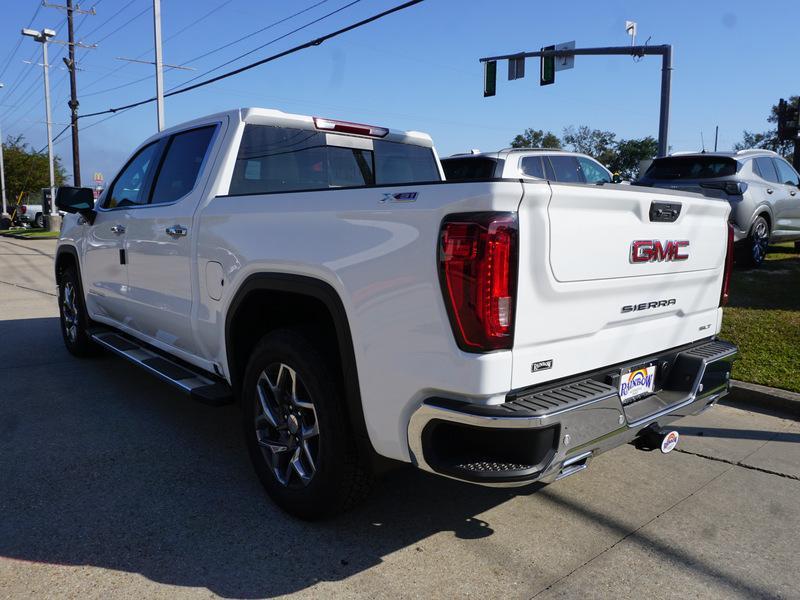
x,y
323,274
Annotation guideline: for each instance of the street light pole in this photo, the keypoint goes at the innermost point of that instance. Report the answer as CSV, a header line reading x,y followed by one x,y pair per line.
x,y
53,218
159,64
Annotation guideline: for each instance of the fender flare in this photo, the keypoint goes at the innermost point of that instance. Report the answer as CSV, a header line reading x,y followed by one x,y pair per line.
x,y
325,293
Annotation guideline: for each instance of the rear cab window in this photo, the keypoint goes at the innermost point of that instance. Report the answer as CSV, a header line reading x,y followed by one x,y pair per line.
x,y
477,167
282,159
691,167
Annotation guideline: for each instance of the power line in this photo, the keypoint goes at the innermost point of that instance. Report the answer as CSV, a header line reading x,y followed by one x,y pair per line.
x,y
309,24
315,42
196,58
19,42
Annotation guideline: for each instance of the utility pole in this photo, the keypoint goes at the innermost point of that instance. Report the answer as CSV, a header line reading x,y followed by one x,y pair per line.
x,y
159,64
73,86
53,218
4,214
665,51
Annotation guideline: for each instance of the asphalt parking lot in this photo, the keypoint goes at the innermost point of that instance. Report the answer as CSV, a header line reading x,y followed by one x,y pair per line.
x,y
113,485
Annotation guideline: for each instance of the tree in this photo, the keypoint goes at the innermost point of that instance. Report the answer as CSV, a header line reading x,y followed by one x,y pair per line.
x,y
594,142
629,153
27,170
768,139
536,138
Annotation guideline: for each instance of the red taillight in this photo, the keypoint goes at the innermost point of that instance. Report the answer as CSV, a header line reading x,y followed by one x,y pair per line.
x,y
478,272
23,209
348,127
726,276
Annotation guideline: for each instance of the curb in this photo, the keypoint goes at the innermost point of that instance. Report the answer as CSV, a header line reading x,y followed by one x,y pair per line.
x,y
16,236
744,393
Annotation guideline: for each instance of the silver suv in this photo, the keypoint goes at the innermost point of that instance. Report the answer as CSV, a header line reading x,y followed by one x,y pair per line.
x,y
761,187
516,163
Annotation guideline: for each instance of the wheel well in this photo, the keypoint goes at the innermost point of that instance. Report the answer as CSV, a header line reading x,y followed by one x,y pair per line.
x,y
269,301
767,218
64,260
262,311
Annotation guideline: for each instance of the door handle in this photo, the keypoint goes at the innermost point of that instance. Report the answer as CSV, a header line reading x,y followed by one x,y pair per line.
x,y
177,231
769,190
792,193
118,229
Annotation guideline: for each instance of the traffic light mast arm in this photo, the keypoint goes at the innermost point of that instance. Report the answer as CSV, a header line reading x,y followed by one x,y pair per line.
x,y
664,51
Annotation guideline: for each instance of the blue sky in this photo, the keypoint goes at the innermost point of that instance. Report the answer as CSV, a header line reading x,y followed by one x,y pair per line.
x,y
417,69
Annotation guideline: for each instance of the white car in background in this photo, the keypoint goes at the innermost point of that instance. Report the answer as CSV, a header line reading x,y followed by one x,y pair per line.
x,y
521,163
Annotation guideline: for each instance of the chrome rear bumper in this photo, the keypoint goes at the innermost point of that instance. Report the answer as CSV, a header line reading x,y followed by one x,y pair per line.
x,y
552,431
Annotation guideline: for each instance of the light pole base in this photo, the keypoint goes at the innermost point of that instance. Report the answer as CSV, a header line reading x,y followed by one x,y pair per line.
x,y
53,222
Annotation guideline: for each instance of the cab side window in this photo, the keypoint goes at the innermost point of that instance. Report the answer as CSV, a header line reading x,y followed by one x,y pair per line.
x,y
567,169
593,172
766,168
132,185
786,173
532,166
181,164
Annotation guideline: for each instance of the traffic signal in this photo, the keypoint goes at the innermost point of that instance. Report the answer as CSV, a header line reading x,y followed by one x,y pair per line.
x,y
547,71
788,117
489,78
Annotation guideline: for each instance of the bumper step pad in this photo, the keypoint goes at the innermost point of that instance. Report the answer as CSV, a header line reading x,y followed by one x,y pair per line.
x,y
197,383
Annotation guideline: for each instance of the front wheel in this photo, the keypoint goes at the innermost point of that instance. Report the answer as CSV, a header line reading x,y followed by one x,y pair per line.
x,y
297,432
74,318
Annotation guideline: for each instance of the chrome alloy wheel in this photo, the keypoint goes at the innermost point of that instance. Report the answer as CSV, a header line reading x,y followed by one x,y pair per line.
x,y
286,426
69,309
760,241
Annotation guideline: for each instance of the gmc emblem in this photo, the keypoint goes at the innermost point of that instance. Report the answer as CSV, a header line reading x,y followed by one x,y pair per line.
x,y
643,251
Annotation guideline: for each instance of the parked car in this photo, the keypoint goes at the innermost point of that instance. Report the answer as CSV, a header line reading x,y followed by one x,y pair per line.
x,y
761,187
515,163
359,308
30,214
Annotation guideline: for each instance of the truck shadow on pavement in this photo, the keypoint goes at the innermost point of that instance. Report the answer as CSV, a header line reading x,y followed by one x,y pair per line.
x,y
102,465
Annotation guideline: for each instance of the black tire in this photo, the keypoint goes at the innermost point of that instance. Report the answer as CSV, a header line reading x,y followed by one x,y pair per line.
x,y
336,477
39,221
753,249
74,318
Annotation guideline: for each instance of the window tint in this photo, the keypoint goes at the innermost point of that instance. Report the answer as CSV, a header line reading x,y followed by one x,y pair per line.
x,y
691,167
567,169
786,173
130,187
592,171
349,167
181,164
404,163
766,169
277,159
478,167
532,166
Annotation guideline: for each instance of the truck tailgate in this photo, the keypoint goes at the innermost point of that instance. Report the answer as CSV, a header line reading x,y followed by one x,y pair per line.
x,y
585,302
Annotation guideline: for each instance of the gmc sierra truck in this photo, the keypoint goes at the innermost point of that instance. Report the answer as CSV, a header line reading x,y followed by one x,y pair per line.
x,y
359,307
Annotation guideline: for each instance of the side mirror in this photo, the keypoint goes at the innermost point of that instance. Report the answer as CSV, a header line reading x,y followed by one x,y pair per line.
x,y
76,200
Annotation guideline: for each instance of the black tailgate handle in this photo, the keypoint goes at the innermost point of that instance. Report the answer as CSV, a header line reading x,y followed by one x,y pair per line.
x,y
664,212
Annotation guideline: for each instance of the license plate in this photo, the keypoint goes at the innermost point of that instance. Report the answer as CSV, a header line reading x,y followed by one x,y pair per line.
x,y
637,382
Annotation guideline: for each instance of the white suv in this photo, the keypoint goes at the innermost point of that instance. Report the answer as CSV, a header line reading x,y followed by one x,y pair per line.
x,y
521,163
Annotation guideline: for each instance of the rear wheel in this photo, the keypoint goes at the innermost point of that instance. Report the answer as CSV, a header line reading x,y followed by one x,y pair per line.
x,y
296,429
74,318
754,248
39,221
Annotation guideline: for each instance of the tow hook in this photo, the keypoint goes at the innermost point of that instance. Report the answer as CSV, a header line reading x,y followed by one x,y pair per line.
x,y
653,437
